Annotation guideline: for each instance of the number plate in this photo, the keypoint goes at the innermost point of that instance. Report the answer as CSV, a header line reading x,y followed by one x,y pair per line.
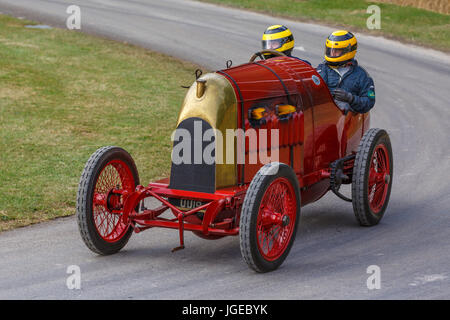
x,y
186,204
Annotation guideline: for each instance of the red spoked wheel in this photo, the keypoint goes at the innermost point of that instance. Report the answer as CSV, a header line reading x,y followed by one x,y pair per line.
x,y
276,219
113,183
269,217
379,178
109,176
372,177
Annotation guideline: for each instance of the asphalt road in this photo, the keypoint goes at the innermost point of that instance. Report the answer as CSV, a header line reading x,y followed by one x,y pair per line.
x,y
332,253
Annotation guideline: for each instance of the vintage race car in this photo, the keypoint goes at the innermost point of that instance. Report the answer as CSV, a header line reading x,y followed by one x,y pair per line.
x,y
253,144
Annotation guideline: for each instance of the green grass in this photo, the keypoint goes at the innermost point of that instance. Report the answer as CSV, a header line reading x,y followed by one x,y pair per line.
x,y
63,94
409,24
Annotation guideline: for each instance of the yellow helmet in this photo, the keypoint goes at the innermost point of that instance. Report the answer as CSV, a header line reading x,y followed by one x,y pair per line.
x,y
279,38
340,47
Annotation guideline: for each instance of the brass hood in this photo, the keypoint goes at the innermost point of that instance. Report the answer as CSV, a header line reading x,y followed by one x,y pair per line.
x,y
213,99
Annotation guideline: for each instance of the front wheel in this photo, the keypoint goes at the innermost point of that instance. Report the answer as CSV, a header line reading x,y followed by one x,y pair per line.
x,y
108,176
372,177
269,217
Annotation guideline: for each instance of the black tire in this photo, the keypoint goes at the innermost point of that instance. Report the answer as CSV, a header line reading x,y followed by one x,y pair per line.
x,y
251,209
363,207
84,208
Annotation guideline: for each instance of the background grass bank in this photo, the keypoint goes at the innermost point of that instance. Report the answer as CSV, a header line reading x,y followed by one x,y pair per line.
x,y
407,23
63,94
441,6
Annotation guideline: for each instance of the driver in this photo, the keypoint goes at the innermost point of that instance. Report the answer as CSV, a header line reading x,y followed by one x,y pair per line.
x,y
279,38
350,85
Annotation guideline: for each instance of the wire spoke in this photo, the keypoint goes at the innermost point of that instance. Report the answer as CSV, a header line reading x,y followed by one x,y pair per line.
x,y
278,201
115,175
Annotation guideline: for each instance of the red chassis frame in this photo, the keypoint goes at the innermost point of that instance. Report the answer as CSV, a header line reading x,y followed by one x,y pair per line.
x,y
228,198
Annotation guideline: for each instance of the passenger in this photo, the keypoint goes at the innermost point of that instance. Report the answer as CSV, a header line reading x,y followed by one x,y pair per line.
x,y
279,38
351,86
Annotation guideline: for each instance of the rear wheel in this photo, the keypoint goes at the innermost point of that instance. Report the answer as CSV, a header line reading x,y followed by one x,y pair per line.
x,y
269,217
372,177
108,176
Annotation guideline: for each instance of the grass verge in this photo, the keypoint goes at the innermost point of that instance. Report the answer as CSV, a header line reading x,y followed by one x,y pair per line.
x,y
63,94
408,24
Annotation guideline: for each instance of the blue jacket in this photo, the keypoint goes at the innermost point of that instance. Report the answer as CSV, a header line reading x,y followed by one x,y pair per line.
x,y
356,81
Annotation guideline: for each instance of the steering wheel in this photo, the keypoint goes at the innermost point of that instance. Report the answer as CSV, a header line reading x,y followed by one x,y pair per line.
x,y
260,54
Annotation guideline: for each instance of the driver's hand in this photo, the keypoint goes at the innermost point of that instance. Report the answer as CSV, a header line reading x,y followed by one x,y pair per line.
x,y
344,106
342,95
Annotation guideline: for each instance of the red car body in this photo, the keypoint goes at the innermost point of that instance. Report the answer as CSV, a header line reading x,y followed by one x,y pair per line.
x,y
319,147
317,134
